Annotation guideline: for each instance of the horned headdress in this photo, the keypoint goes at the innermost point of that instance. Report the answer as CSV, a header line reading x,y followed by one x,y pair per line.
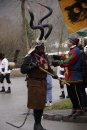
x,y
42,38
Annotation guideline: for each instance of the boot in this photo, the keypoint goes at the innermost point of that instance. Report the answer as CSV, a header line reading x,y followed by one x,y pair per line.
x,y
3,89
9,90
38,127
73,112
62,95
67,96
78,113
70,115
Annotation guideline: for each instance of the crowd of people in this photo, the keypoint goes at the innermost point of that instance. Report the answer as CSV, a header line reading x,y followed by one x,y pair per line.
x,y
71,68
36,66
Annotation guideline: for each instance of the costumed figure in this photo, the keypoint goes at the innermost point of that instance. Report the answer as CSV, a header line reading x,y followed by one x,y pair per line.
x,y
36,59
5,73
5,69
73,75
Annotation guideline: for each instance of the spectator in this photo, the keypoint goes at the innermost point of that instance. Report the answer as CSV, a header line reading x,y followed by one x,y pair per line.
x,y
5,73
60,73
49,90
84,76
0,70
85,41
86,91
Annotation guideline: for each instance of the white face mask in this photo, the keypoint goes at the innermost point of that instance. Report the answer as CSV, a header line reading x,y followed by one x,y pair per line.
x,y
85,49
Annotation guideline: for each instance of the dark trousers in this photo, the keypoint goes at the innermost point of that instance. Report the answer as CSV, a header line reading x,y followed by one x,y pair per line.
x,y
75,97
83,93
61,85
7,76
37,115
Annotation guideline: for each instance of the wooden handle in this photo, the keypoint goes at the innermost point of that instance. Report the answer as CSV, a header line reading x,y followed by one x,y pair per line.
x,y
51,74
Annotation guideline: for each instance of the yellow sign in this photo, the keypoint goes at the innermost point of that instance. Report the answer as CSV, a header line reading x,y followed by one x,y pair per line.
x,y
75,14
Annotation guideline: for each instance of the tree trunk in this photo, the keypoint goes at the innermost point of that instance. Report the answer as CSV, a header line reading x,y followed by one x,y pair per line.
x,y
25,37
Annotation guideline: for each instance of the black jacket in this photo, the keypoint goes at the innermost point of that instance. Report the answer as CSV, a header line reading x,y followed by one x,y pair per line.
x,y
83,64
27,65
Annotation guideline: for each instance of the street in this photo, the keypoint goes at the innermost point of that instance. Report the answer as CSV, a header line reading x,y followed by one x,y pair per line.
x,y
13,109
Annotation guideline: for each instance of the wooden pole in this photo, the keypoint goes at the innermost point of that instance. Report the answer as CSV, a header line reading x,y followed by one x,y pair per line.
x,y
51,74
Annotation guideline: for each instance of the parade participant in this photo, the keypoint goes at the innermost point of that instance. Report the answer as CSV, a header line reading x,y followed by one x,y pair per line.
x,y
73,75
37,83
5,73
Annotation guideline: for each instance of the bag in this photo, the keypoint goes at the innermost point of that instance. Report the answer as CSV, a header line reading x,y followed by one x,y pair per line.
x,y
11,65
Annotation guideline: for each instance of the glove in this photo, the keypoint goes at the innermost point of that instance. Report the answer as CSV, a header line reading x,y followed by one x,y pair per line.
x,y
32,66
56,57
53,63
55,77
35,65
29,68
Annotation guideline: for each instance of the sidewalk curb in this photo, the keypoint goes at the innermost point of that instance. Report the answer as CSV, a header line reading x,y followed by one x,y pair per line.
x,y
57,117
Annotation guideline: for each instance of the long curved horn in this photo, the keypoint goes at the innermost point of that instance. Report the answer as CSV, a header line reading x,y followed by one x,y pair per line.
x,y
46,25
50,12
49,31
35,27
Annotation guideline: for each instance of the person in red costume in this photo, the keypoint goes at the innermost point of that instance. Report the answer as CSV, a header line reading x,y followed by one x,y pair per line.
x,y
73,75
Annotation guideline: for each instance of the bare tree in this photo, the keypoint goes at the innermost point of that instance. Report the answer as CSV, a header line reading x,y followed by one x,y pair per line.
x,y
25,37
9,36
58,33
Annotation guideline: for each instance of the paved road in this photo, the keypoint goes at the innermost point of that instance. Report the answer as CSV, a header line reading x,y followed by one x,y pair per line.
x,y
13,109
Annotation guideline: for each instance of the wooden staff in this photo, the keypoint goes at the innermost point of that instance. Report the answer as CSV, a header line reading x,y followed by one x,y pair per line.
x,y
51,74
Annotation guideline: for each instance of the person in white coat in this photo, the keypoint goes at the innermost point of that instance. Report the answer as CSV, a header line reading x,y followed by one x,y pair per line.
x,y
5,73
60,74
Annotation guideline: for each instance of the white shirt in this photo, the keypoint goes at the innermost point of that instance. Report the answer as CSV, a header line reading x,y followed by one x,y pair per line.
x,y
73,46
85,49
4,65
59,69
0,66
